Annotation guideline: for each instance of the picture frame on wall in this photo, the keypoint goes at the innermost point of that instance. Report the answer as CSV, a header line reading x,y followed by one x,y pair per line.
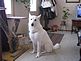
x,y
72,1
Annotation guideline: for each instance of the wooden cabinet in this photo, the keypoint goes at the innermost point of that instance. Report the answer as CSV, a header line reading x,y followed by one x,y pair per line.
x,y
76,23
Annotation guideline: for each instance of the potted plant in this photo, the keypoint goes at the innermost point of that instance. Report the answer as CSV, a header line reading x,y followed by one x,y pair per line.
x,y
25,2
66,14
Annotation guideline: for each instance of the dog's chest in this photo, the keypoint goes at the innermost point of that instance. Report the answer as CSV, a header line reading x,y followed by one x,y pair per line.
x,y
36,35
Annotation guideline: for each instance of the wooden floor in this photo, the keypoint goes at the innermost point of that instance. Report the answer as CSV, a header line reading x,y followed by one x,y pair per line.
x,y
7,56
12,56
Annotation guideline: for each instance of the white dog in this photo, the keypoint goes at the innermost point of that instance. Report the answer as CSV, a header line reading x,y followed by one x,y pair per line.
x,y
39,36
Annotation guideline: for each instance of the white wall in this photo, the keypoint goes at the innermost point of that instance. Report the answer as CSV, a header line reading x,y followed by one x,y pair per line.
x,y
71,6
18,9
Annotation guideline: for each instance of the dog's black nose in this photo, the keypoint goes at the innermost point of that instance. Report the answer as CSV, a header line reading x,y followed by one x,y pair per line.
x,y
35,20
32,24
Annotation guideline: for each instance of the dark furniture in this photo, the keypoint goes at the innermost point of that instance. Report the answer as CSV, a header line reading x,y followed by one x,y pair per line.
x,y
80,54
76,23
3,39
76,26
0,46
79,41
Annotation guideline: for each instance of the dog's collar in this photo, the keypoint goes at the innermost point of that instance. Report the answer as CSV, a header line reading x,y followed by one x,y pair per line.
x,y
34,32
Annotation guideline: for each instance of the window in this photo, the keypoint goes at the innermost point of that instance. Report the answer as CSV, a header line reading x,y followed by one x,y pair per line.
x,y
8,6
32,5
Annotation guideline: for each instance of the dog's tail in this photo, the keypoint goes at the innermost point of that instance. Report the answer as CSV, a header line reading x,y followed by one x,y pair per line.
x,y
56,46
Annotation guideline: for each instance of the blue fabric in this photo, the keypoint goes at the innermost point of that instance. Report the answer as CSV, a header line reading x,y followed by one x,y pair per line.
x,y
1,3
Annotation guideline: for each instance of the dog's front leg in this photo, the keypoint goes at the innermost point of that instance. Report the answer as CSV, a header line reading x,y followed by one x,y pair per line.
x,y
34,47
38,49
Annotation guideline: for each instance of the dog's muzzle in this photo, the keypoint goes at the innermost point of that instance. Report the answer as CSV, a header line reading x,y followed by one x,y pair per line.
x,y
32,24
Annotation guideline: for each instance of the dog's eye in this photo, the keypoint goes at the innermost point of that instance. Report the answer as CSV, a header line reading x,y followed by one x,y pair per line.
x,y
31,19
35,20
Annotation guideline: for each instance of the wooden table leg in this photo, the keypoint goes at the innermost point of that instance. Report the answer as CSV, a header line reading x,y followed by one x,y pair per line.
x,y
80,54
72,29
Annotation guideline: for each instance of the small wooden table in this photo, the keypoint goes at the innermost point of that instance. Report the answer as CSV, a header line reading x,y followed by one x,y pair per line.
x,y
16,20
76,23
14,28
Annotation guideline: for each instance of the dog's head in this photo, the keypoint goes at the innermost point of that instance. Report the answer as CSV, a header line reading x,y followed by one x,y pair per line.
x,y
34,22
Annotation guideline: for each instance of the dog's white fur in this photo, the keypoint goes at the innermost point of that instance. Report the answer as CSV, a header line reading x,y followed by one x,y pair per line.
x,y
39,36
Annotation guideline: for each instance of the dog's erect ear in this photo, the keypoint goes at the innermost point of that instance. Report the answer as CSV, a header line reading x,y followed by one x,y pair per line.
x,y
39,16
29,15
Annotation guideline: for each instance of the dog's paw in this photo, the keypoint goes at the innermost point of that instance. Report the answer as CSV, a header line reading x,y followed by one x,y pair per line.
x,y
57,46
38,54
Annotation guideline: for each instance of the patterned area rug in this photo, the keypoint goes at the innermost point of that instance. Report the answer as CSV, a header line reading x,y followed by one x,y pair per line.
x,y
55,37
